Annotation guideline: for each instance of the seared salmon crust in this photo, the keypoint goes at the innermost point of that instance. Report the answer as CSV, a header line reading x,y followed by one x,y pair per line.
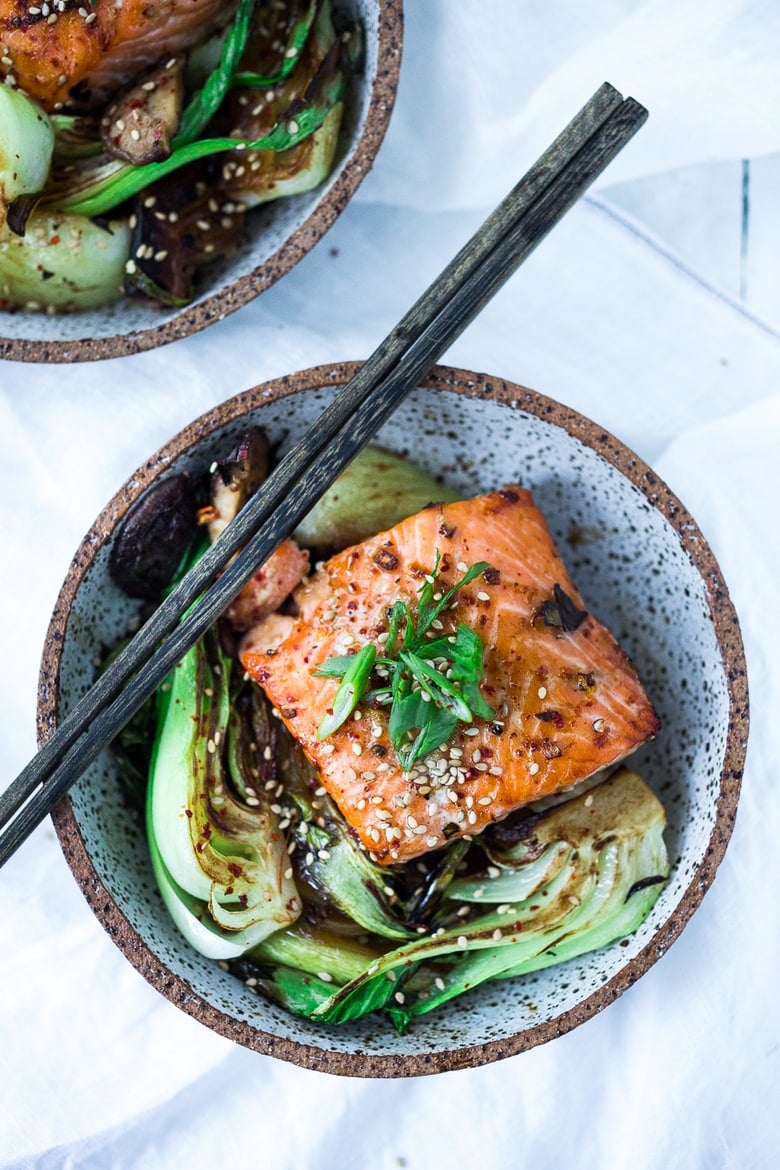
x,y
70,51
567,702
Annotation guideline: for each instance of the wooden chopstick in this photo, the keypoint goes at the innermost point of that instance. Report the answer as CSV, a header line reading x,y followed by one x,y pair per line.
x,y
511,232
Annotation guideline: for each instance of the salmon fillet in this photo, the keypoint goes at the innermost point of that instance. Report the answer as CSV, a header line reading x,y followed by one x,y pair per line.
x,y
69,50
567,702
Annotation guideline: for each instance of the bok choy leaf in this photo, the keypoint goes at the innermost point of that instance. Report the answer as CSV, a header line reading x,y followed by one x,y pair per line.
x,y
218,857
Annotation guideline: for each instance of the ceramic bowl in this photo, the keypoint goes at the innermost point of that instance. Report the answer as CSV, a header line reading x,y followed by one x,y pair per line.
x,y
279,233
644,569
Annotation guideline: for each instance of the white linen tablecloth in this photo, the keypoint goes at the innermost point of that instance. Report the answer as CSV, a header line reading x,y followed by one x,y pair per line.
x,y
96,1069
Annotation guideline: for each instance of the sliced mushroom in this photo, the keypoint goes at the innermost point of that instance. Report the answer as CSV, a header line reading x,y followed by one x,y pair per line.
x,y
236,478
138,128
180,223
154,537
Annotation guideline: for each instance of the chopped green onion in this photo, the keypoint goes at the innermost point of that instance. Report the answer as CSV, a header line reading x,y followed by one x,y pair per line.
x,y
349,694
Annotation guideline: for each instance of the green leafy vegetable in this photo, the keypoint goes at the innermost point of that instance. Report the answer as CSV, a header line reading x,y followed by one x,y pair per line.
x,y
296,43
207,100
354,680
220,859
432,683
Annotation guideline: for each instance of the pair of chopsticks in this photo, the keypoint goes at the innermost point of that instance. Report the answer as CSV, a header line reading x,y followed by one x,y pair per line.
x,y
552,185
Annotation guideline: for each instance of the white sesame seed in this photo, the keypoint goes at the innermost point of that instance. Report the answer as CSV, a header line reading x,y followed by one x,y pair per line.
x,y
462,567
471,731
588,800
325,976
462,940
542,692
497,935
598,725
357,749
482,596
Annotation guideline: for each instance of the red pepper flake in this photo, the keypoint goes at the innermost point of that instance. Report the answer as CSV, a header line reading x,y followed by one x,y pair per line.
x,y
386,559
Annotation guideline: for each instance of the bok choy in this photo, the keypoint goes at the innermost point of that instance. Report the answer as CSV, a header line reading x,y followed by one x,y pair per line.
x,y
220,858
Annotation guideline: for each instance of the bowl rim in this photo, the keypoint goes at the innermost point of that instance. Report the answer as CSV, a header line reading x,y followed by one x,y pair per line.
x,y
239,292
727,632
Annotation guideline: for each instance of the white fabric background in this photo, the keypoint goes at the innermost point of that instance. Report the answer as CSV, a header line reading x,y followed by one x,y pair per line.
x,y
96,1069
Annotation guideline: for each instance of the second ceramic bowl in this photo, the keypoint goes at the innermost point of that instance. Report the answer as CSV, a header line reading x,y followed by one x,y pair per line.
x,y
643,568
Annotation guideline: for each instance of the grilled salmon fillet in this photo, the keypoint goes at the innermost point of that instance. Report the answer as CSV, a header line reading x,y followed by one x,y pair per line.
x,y
567,702
69,51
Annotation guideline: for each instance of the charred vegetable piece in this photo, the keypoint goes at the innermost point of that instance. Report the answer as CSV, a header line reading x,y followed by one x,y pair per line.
x,y
236,478
178,225
62,262
330,863
154,538
139,127
602,890
262,175
377,491
221,860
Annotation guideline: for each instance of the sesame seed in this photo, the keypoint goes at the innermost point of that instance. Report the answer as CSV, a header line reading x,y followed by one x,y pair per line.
x,y
497,935
598,725
328,749
325,976
471,731
542,692
588,800
292,126
482,596
485,800
462,940
253,801
533,768
399,997
357,749
462,567
439,982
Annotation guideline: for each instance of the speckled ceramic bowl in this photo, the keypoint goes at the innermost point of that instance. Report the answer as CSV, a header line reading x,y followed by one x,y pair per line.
x,y
279,233
644,569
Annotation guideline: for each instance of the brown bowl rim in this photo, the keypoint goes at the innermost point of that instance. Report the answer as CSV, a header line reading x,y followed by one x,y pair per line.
x,y
726,624
239,292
